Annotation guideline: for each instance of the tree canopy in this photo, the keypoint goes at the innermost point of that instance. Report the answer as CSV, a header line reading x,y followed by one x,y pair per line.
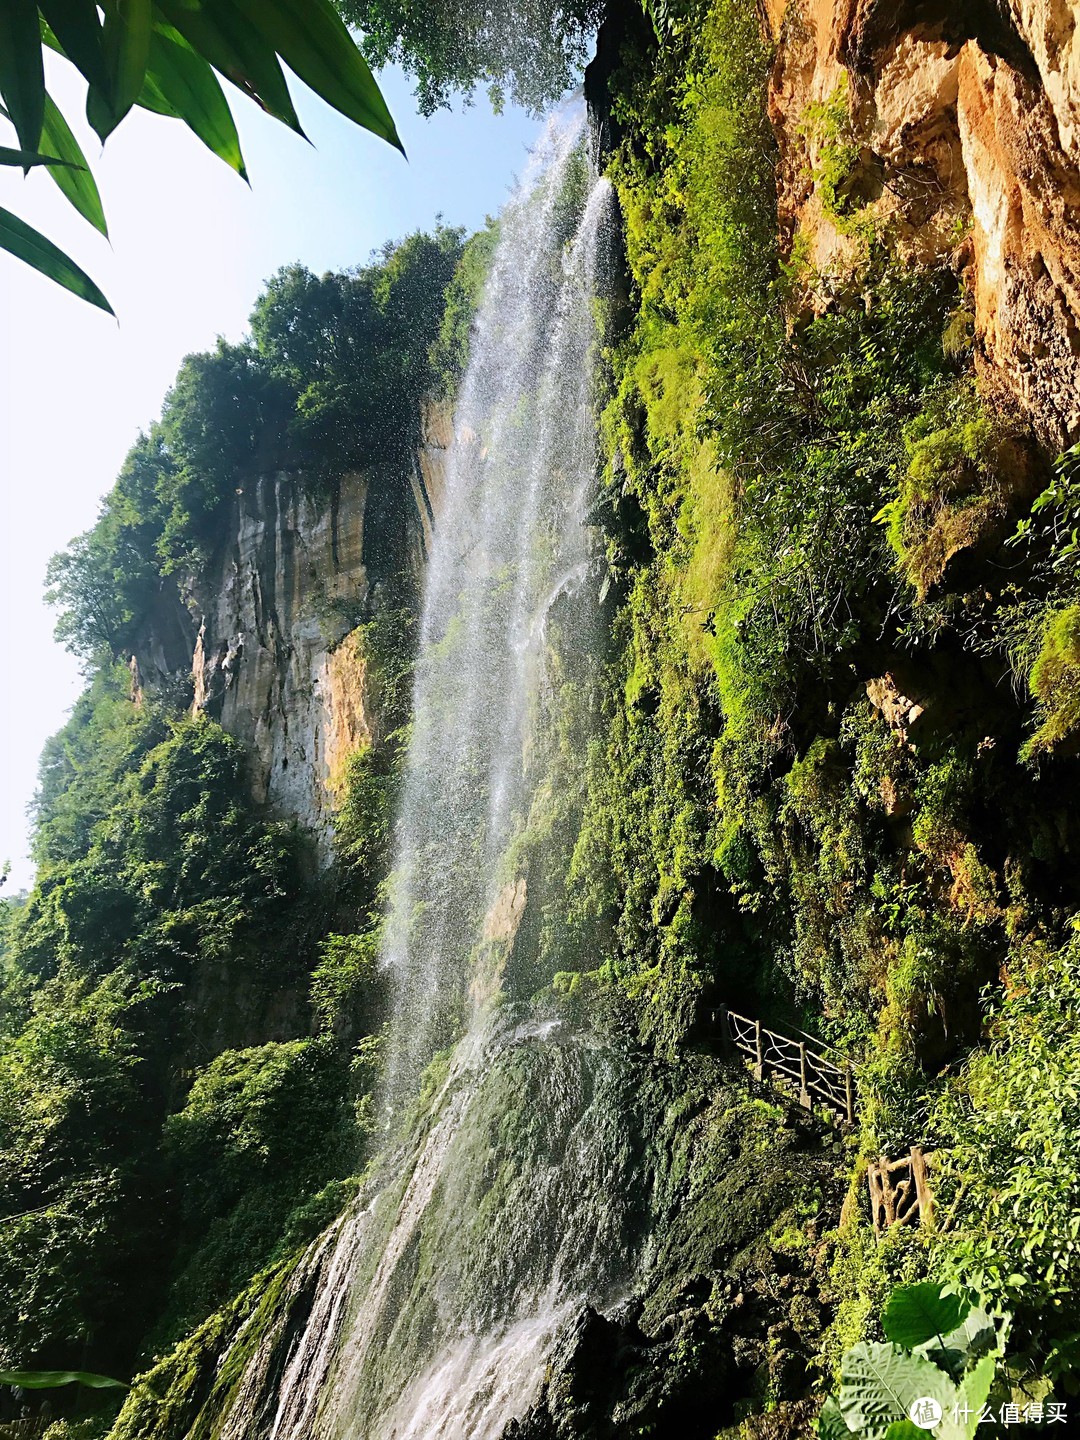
x,y
525,50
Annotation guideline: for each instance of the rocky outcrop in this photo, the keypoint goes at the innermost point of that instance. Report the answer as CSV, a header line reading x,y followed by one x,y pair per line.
x,y
952,130
266,633
281,598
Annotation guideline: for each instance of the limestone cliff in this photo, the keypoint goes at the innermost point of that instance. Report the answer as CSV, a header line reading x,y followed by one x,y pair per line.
x,y
265,632
955,130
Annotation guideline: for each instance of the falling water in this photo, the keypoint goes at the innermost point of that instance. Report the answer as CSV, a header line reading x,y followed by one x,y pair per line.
x,y
492,1220
511,539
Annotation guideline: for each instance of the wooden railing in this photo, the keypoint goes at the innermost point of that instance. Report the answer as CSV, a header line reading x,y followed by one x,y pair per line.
x,y
900,1191
804,1062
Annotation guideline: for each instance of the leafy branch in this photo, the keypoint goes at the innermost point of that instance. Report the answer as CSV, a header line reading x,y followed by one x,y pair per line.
x,y
162,57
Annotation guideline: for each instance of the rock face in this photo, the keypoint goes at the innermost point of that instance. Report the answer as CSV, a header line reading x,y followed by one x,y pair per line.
x,y
961,143
266,633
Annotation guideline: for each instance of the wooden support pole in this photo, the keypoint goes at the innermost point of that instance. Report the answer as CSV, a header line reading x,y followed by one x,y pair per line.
x,y
725,1032
804,1078
922,1186
759,1053
849,1094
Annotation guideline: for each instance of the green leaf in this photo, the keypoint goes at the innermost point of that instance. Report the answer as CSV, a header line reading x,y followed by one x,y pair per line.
x,y
831,1424
880,1383
22,78
126,40
185,82
311,38
27,158
975,1335
48,1379
975,1388
917,1313
228,40
905,1430
22,241
77,30
76,182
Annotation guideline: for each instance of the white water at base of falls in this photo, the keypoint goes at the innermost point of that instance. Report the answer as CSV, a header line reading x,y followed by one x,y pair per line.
x,y
438,1299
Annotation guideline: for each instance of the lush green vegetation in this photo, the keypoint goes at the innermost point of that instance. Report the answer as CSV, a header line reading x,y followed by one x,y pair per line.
x,y
938,1347
815,792
162,57
156,1149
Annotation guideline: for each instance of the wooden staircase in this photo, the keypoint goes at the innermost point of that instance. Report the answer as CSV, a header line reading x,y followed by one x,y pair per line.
x,y
788,1061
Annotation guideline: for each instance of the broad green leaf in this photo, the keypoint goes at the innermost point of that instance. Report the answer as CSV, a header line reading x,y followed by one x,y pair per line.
x,y
880,1383
27,158
76,182
49,1379
186,83
311,38
77,29
26,243
218,32
975,1388
975,1335
917,1313
126,40
831,1424
22,77
905,1430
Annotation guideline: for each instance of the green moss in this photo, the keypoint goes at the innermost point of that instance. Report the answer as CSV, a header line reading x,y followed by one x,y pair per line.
x,y
187,1394
1055,681
963,468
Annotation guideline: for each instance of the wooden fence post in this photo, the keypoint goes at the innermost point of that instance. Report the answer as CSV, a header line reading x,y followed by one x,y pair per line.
x,y
725,1032
804,1078
849,1093
759,1053
922,1186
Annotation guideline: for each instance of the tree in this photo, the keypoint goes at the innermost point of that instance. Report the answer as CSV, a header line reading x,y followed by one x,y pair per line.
x,y
161,55
530,50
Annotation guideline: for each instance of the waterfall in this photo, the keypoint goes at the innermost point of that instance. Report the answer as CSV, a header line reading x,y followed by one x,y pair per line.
x,y
497,1210
511,538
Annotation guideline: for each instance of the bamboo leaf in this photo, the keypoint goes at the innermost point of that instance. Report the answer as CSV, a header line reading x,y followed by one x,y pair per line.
x,y
77,30
126,40
76,181
28,158
312,39
236,49
48,1379
27,244
185,82
22,78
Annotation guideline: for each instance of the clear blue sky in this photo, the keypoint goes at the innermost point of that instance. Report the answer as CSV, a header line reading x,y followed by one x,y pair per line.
x,y
190,247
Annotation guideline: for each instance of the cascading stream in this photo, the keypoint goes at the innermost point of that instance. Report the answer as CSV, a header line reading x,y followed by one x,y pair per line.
x,y
437,1302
